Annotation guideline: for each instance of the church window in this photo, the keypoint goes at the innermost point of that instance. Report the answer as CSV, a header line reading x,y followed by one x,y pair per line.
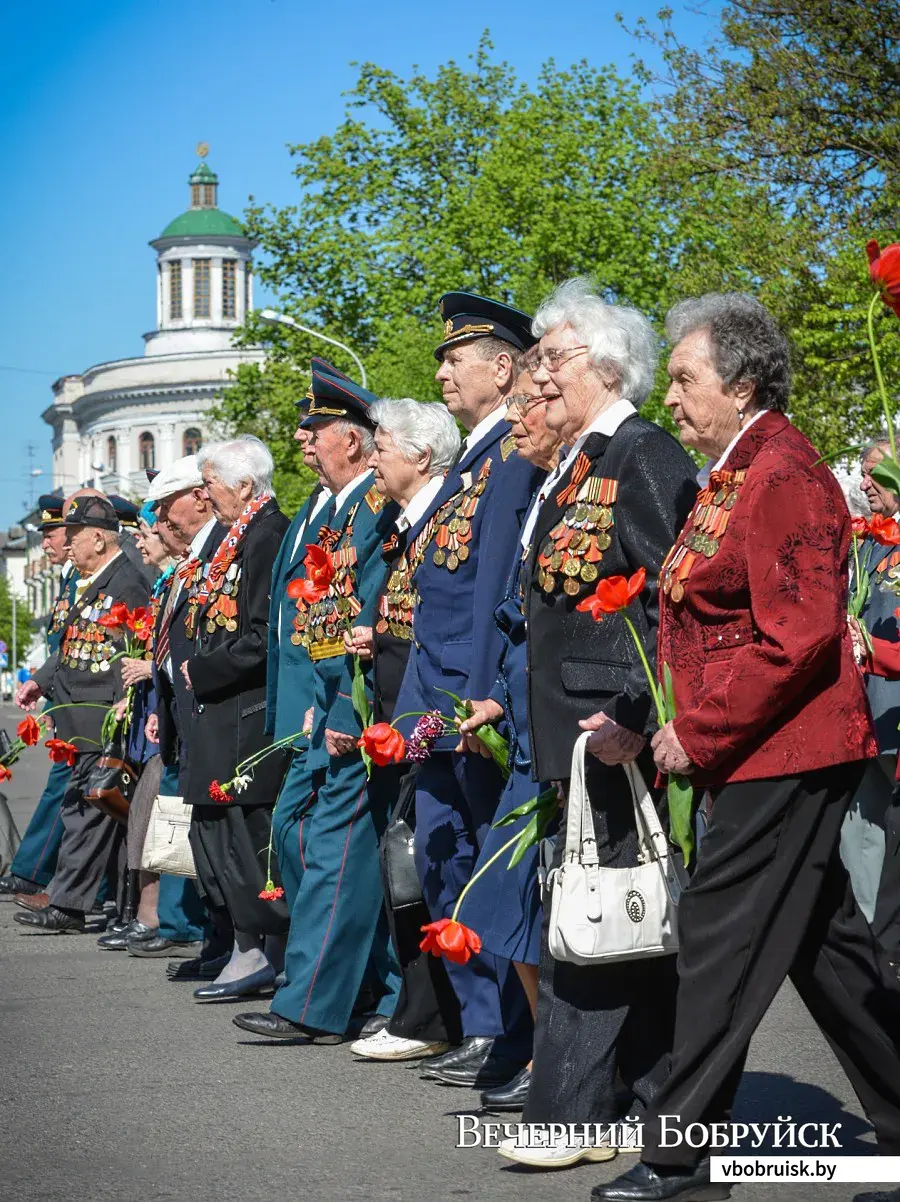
x,y
209,195
111,453
229,269
195,196
147,451
192,441
175,307
201,287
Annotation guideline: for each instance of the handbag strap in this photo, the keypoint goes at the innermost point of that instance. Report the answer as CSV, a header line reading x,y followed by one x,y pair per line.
x,y
652,837
581,839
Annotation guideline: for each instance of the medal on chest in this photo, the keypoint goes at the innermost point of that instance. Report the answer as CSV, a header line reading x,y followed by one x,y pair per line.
x,y
703,532
221,608
319,626
569,557
399,600
86,645
452,530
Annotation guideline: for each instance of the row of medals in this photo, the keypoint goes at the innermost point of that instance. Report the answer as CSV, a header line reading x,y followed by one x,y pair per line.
x,y
228,589
91,650
708,524
401,601
573,548
323,619
458,529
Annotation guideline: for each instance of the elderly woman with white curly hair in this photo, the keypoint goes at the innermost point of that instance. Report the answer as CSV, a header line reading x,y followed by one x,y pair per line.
x,y
613,505
227,619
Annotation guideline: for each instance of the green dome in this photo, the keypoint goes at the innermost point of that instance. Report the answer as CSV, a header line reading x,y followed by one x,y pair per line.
x,y
196,223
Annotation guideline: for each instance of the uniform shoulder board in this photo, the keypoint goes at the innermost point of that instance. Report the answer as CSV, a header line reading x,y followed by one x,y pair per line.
x,y
507,446
375,500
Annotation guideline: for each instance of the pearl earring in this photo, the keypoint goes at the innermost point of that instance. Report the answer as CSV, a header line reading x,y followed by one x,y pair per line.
x,y
740,417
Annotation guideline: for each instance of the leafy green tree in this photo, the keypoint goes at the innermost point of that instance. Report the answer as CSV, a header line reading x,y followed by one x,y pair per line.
x,y
24,623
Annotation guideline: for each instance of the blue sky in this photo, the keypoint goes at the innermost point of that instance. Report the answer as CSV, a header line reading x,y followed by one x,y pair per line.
x,y
104,102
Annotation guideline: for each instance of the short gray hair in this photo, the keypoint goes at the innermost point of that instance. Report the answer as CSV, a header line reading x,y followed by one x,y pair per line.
x,y
244,458
876,442
366,434
418,426
745,340
616,336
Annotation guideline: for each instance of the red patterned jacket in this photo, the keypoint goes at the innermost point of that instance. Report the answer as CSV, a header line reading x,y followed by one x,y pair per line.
x,y
764,678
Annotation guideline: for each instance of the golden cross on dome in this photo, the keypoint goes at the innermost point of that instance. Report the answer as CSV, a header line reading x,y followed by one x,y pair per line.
x,y
202,149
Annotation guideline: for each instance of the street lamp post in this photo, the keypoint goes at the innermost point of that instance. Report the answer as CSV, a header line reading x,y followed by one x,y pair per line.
x,y
282,319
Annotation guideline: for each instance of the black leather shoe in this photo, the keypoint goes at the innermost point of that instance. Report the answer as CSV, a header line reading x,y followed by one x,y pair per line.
x,y
197,969
485,1074
273,1026
257,984
510,1096
474,1046
117,941
155,944
375,1024
50,922
11,884
643,1183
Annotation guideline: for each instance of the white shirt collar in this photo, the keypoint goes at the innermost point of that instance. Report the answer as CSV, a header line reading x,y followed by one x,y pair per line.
x,y
420,503
737,438
477,433
200,538
348,489
84,582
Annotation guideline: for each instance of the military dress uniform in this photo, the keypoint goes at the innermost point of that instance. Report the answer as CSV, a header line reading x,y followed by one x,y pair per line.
x,y
460,575
36,857
335,875
83,671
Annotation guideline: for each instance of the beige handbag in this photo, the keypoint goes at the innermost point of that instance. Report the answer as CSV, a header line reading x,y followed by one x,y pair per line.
x,y
166,846
600,915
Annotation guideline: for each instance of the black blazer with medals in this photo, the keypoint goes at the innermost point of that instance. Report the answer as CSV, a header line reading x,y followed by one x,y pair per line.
x,y
636,489
228,677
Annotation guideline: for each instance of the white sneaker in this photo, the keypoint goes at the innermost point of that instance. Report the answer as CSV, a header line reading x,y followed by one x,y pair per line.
x,y
384,1046
558,1155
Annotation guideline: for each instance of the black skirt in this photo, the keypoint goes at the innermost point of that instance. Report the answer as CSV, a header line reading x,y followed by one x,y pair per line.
x,y
231,846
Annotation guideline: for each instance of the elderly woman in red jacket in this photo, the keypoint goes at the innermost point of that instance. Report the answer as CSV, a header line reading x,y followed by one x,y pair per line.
x,y
773,728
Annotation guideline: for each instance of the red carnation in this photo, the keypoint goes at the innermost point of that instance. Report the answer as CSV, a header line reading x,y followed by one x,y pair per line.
x,y
217,793
612,595
383,744
118,615
62,752
319,575
451,939
140,622
884,268
884,530
29,731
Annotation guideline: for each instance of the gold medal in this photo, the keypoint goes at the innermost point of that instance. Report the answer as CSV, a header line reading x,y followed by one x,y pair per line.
x,y
589,573
605,520
452,562
296,639
464,526
547,584
677,591
381,627
572,587
711,547
439,558
581,513
462,553
720,496
556,560
453,525
572,566
231,625
221,620
604,541
729,504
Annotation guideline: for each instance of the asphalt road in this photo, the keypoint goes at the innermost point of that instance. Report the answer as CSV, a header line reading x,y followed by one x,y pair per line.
x,y
118,1086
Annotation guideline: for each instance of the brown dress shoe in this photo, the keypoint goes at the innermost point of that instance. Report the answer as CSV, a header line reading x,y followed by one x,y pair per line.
x,y
32,901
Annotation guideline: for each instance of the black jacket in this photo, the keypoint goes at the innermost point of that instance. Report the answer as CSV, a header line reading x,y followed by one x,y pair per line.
x,y
228,675
576,666
73,674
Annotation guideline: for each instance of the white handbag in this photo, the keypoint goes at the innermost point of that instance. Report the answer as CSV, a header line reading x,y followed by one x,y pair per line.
x,y
602,915
166,846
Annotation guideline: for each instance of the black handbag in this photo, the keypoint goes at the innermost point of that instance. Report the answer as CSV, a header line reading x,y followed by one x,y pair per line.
x,y
398,865
112,782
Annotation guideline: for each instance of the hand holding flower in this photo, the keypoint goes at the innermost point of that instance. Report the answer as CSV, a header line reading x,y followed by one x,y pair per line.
x,y
481,713
668,754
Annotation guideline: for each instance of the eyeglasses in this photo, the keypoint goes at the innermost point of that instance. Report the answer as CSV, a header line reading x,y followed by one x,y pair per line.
x,y
553,357
524,404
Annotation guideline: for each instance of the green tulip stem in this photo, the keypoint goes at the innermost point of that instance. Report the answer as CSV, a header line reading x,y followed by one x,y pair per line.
x,y
651,679
481,871
873,346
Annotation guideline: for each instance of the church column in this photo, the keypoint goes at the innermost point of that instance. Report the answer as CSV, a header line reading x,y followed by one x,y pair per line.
x,y
125,440
215,284
159,294
187,288
166,451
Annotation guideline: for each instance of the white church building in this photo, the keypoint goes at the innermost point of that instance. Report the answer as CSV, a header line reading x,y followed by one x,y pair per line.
x,y
115,420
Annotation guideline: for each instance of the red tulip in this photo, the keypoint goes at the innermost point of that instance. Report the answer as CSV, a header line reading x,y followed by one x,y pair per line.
x,y
451,939
217,793
319,575
62,752
29,731
118,615
140,622
383,744
884,268
612,595
884,530
859,527
5,774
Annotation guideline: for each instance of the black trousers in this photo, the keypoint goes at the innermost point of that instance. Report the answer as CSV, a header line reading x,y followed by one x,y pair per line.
x,y
886,921
93,844
601,1026
427,1007
770,898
